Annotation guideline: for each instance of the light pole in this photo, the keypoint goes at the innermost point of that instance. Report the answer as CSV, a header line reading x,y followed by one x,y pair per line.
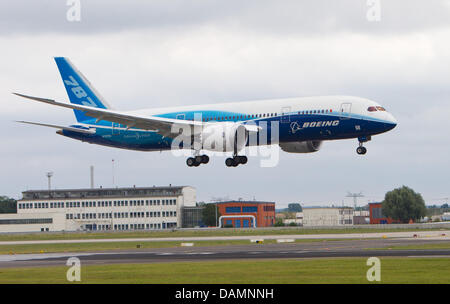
x,y
49,176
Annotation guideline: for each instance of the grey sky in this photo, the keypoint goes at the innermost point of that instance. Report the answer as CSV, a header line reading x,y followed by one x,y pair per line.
x,y
168,53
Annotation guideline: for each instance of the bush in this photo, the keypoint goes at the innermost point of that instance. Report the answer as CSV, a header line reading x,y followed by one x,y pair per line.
x,y
279,223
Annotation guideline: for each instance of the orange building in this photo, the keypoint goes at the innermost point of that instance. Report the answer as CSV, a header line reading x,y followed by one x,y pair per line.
x,y
376,214
263,212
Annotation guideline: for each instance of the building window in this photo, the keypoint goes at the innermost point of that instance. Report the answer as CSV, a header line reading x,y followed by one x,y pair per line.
x,y
248,209
233,209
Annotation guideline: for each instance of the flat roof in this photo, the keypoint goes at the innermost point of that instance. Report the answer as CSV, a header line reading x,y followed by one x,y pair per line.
x,y
245,202
101,192
344,207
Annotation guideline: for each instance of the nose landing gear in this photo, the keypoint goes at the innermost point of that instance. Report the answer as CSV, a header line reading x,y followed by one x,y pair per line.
x,y
362,150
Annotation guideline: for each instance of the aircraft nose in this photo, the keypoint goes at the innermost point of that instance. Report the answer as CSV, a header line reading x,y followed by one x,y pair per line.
x,y
391,121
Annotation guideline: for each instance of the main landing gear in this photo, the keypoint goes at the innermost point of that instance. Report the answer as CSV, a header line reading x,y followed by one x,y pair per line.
x,y
362,150
236,160
197,160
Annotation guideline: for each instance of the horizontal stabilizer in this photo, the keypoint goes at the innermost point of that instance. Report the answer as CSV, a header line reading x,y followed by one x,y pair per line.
x,y
73,129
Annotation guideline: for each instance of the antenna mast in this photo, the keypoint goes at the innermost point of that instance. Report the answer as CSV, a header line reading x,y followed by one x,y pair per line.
x,y
355,197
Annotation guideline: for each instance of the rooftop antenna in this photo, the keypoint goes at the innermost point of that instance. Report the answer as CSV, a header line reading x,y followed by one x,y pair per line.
x,y
113,173
355,197
49,176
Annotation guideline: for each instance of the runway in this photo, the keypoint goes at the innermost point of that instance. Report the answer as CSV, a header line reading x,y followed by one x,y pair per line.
x,y
431,234
323,249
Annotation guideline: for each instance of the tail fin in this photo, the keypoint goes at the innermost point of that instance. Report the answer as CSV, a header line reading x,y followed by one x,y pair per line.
x,y
79,89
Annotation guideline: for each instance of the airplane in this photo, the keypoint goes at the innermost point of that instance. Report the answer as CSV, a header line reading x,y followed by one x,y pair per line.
x,y
302,123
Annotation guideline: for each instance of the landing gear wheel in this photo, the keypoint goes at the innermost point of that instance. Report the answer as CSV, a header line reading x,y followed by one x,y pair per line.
x,y
205,159
229,162
361,150
190,162
243,159
236,160
198,159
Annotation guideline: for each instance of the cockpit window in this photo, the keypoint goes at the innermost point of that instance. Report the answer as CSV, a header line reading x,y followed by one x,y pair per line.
x,y
372,109
381,108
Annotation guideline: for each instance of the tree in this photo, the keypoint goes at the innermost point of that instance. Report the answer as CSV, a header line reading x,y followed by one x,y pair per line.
x,y
209,215
8,205
403,204
294,207
279,223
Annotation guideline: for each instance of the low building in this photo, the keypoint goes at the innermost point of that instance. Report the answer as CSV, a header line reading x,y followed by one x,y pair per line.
x,y
133,208
239,214
446,216
13,222
376,214
324,216
361,217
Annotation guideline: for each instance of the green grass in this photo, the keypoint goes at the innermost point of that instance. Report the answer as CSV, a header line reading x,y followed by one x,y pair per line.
x,y
194,233
316,271
106,246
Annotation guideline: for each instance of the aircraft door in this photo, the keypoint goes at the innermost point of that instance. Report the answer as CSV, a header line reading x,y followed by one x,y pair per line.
x,y
346,109
285,116
115,128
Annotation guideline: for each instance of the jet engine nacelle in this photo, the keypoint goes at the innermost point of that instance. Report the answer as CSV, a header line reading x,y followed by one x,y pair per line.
x,y
302,146
224,137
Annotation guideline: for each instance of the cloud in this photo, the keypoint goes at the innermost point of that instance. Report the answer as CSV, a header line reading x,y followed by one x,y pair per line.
x,y
323,17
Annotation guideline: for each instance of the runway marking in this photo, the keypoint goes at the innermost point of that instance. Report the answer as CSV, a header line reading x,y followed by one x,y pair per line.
x,y
429,256
40,256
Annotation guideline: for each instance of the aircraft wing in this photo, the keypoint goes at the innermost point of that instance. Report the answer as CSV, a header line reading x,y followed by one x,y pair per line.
x,y
160,125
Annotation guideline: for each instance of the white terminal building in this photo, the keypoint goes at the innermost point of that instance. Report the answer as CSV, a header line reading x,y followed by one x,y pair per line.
x,y
133,208
328,216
